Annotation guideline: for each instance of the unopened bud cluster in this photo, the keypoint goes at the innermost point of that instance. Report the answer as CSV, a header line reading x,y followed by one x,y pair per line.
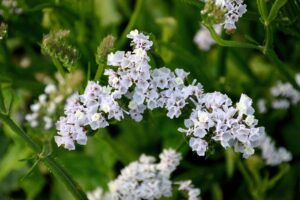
x,y
55,45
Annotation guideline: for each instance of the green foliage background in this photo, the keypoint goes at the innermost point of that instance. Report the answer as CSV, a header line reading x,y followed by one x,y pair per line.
x,y
172,25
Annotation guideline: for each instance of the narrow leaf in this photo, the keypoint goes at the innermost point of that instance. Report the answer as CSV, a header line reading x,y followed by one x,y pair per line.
x,y
275,8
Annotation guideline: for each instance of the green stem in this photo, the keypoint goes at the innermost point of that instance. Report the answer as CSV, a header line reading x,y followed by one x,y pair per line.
x,y
221,61
99,72
132,22
125,7
262,9
58,66
245,174
229,43
277,177
2,105
269,38
181,145
255,192
49,161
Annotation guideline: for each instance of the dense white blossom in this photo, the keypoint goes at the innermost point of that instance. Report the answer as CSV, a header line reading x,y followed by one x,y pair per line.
x,y
225,12
215,118
131,79
93,108
235,10
147,179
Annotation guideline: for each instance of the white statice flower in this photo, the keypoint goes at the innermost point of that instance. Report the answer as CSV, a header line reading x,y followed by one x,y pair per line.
x,y
232,126
203,39
146,179
235,10
271,154
91,109
192,192
225,12
131,79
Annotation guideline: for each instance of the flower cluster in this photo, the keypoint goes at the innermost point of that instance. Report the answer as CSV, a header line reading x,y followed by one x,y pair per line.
x,y
270,154
93,108
44,110
55,45
146,179
215,118
224,12
283,95
203,39
132,80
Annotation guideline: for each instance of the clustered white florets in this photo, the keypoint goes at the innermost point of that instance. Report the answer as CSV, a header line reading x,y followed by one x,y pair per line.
x,y
283,96
228,12
93,109
215,118
132,80
146,179
235,10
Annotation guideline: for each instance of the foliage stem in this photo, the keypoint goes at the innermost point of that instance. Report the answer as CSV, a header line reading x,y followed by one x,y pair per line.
x,y
2,105
58,66
131,23
228,43
49,161
99,71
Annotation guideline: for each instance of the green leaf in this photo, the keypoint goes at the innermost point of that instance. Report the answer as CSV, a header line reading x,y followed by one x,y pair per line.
x,y
10,161
32,184
275,8
261,4
197,3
